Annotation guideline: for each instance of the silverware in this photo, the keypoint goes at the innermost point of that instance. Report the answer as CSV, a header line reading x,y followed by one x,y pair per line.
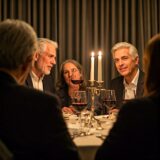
x,y
99,135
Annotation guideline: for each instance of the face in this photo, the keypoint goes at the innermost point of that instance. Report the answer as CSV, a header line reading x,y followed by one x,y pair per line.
x,y
124,62
46,60
70,71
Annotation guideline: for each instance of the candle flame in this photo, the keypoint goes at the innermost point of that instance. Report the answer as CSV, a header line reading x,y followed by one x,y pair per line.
x,y
92,54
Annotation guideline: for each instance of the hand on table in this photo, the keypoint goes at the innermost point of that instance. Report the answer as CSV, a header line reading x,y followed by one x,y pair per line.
x,y
70,110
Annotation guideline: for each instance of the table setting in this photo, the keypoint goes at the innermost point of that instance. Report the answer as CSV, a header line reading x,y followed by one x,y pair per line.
x,y
99,127
93,135
88,130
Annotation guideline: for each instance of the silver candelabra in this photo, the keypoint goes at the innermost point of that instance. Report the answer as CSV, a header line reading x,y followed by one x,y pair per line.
x,y
94,89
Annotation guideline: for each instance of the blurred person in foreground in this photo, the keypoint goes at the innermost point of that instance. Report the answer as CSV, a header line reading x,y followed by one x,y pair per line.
x,y
135,134
130,83
31,124
41,76
65,86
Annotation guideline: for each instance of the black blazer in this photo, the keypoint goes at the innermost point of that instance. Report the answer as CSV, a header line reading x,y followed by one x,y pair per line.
x,y
135,134
118,86
48,83
31,123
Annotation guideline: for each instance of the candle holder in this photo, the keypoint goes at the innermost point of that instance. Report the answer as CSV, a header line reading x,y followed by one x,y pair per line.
x,y
99,87
94,90
100,84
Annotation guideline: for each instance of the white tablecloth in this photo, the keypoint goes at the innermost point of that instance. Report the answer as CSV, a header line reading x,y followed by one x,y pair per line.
x,y
88,145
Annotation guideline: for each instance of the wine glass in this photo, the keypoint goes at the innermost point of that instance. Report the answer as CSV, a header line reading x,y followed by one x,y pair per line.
x,y
101,101
109,100
77,78
79,102
128,95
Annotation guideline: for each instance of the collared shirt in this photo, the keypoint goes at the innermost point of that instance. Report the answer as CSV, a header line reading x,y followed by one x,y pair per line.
x,y
130,89
37,82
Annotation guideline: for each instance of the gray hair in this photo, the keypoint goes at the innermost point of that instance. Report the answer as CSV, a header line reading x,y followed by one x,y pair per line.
x,y
132,49
42,44
18,42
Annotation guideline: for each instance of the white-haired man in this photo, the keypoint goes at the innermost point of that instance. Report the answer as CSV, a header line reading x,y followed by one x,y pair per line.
x,y
31,123
131,80
40,76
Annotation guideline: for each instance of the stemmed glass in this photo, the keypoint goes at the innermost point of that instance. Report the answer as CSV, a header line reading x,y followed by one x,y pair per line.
x,y
79,102
77,78
109,100
128,95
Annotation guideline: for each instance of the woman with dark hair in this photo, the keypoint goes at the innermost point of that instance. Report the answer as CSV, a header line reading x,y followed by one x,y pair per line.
x,y
151,63
135,134
65,86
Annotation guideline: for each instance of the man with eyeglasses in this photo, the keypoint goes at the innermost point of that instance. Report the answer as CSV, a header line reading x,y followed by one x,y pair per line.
x,y
40,76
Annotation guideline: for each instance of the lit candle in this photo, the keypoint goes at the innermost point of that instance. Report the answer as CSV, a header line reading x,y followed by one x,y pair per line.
x,y
99,66
92,67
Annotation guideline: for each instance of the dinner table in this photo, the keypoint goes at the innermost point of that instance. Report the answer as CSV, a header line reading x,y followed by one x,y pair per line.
x,y
93,134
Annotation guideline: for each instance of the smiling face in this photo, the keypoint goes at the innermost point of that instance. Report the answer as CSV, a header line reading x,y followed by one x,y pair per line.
x,y
70,70
126,65
45,61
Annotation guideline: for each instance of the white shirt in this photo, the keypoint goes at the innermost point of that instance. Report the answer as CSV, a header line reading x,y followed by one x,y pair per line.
x,y
37,82
130,89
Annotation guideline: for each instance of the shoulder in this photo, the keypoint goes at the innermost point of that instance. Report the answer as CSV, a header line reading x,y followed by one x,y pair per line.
x,y
33,96
141,106
141,114
28,81
48,78
117,81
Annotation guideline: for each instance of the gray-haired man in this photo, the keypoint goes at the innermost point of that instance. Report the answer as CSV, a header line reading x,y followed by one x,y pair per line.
x,y
131,80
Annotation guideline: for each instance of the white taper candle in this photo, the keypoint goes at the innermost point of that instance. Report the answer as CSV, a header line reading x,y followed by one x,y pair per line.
x,y
99,66
92,67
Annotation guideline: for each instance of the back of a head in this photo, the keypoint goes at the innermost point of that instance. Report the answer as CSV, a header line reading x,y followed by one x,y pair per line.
x,y
18,42
132,49
151,62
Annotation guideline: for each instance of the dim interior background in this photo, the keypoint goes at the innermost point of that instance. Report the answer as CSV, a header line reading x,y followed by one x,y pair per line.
x,y
82,26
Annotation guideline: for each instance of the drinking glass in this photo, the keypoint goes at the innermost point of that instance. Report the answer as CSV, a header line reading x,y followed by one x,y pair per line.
x,y
79,102
109,100
101,101
128,95
77,78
